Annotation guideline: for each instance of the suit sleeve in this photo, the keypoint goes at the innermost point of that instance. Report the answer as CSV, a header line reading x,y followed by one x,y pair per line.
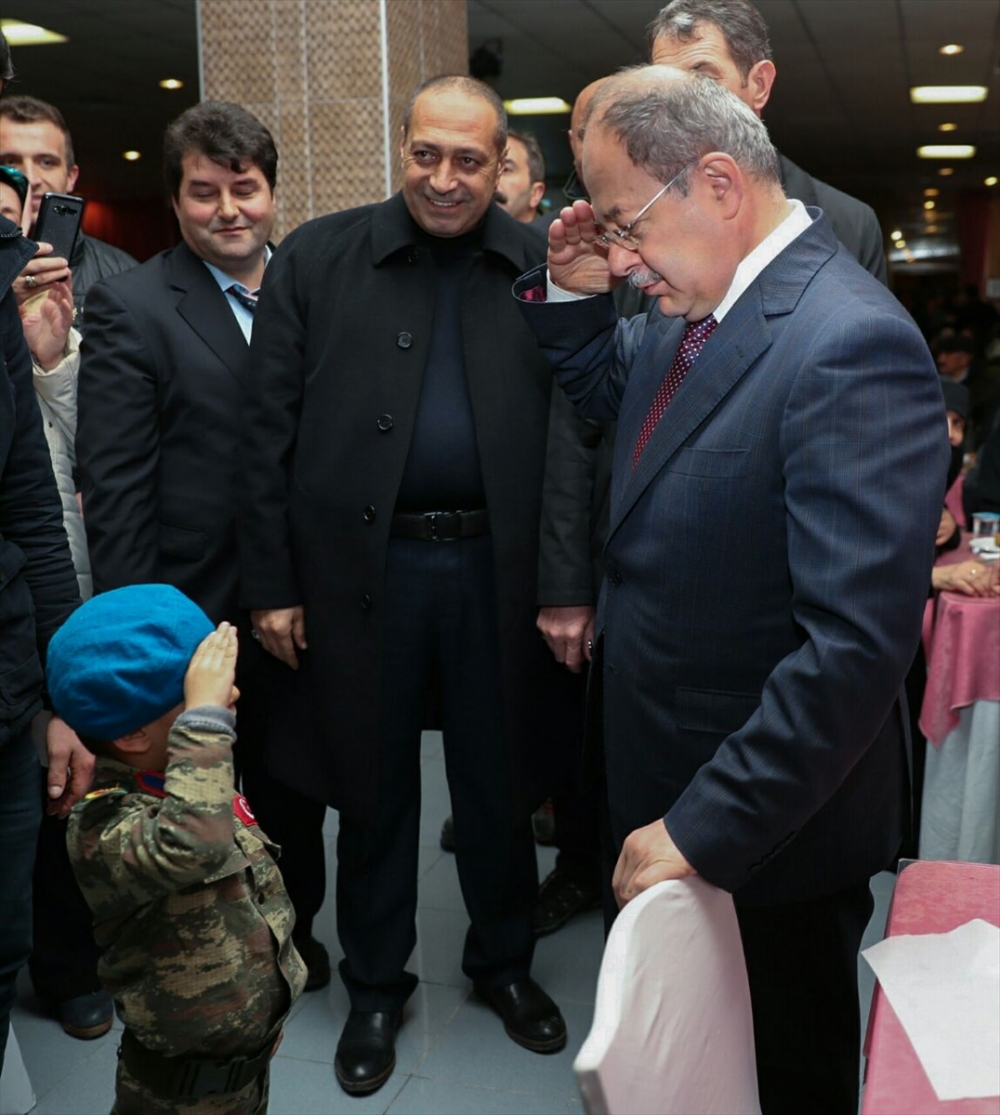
x,y
864,454
269,429
117,444
571,459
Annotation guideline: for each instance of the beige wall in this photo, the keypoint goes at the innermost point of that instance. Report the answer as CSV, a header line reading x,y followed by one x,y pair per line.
x,y
313,71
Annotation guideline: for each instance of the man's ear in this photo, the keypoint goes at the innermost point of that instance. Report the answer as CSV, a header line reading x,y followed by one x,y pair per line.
x,y
74,174
759,81
134,743
724,180
537,193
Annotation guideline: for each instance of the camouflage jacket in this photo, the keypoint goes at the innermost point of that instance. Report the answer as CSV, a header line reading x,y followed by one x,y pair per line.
x,y
188,902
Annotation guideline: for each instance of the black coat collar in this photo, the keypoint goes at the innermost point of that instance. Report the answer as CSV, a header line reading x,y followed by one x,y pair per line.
x,y
393,230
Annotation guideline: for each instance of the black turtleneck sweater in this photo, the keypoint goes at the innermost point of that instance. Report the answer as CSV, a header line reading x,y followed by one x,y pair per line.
x,y
442,470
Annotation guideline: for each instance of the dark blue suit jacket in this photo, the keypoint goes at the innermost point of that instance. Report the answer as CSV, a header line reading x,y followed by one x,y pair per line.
x,y
766,569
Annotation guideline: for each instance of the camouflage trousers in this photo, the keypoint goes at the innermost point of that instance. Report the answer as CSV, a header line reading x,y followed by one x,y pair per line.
x,y
133,1098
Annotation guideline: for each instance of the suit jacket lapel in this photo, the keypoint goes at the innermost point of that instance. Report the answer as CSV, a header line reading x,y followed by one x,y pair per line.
x,y
206,309
742,336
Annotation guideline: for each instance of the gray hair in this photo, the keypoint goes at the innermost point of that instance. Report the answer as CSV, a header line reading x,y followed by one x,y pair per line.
x,y
739,22
472,87
668,120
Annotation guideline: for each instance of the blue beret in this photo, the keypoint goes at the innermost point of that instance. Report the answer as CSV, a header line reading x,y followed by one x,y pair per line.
x,y
118,662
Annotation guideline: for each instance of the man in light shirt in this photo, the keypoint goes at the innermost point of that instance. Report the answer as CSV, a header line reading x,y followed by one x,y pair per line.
x,y
776,491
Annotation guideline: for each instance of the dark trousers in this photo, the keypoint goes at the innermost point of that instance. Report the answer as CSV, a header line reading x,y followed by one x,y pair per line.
x,y
440,616
575,800
64,956
802,964
286,816
20,812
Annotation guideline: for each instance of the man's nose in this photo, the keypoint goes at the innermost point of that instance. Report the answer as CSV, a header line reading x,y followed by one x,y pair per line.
x,y
228,209
443,177
621,261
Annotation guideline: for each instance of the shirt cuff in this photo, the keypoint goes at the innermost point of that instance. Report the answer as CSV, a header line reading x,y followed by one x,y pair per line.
x,y
557,294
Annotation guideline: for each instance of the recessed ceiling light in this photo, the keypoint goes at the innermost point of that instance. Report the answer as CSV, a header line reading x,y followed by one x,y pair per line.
x,y
19,33
948,94
536,106
928,204
947,127
951,48
900,243
895,234
131,156
932,191
946,171
171,83
946,151
991,181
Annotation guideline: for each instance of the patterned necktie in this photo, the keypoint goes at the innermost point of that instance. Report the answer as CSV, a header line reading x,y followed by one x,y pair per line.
x,y
695,336
247,298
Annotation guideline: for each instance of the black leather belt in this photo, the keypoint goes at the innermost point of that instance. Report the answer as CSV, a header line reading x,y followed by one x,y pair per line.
x,y
190,1077
440,526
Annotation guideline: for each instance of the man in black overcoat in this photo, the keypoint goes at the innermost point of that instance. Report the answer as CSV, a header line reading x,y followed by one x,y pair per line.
x,y
392,469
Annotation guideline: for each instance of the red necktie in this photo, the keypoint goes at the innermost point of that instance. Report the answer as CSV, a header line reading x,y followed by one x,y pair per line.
x,y
695,336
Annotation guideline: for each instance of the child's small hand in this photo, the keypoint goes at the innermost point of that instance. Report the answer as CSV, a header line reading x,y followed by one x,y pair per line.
x,y
212,670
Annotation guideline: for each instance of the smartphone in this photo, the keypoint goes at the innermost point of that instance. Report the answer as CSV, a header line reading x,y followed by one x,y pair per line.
x,y
58,222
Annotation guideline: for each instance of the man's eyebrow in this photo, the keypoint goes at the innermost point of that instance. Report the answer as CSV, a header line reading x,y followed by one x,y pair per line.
x,y
612,214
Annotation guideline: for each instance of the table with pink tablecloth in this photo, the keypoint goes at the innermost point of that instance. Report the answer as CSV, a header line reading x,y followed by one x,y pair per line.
x,y
960,717
929,898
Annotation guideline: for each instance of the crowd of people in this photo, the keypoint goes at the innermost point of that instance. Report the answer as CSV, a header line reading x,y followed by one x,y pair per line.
x,y
333,479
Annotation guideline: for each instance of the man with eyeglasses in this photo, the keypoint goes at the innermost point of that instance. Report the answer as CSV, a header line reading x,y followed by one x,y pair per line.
x,y
776,492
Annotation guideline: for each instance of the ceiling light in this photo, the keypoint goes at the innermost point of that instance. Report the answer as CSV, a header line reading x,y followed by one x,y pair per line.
x,y
171,83
931,230
946,151
900,243
29,34
991,181
928,204
131,156
948,94
932,191
946,171
951,48
895,234
949,127
536,106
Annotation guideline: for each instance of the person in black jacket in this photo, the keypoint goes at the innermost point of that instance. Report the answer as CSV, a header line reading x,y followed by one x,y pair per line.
x,y
38,590
34,139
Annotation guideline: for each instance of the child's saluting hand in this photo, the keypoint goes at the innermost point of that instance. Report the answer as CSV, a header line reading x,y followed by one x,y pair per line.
x,y
212,671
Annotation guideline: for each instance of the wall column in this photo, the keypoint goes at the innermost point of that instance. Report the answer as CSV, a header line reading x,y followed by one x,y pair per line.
x,y
331,79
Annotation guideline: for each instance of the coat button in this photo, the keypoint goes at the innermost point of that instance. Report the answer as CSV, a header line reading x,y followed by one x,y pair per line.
x,y
369,514
385,423
366,603
404,340
614,576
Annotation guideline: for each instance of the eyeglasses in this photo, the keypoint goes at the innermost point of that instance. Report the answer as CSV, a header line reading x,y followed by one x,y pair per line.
x,y
622,237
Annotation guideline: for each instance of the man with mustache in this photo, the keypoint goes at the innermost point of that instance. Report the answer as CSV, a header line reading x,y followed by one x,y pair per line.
x,y
392,474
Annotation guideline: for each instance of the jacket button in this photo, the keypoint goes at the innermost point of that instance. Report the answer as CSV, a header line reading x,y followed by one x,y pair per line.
x,y
366,603
404,340
369,514
614,576
385,423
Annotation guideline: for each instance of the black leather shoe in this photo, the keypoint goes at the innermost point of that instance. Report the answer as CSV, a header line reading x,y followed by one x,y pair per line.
x,y
448,834
366,1052
317,962
529,1016
86,1016
560,898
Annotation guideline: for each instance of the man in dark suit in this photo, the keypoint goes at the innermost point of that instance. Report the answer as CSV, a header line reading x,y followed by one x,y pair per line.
x,y
392,464
774,504
162,380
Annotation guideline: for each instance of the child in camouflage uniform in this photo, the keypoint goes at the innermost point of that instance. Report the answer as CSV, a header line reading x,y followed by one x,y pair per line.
x,y
188,903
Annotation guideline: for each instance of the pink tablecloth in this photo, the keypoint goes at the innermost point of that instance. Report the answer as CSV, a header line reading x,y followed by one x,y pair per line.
x,y
962,644
929,898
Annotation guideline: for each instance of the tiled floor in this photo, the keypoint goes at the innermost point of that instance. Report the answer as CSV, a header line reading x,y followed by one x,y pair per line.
x,y
452,1054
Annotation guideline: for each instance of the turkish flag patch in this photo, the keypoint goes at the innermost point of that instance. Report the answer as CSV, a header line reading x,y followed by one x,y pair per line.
x,y
241,809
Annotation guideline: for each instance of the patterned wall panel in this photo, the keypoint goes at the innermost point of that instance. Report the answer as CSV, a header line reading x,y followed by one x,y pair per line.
x,y
311,70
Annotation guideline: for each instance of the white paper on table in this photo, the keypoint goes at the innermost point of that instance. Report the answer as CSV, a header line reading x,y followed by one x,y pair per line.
x,y
945,990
